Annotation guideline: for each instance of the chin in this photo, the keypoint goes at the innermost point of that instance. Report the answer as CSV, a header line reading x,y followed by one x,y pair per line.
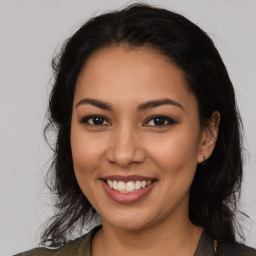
x,y
129,220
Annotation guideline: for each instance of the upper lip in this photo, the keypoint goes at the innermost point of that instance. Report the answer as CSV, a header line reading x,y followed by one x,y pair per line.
x,y
127,178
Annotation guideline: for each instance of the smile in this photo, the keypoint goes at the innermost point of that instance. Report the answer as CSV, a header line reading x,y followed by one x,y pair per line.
x,y
127,189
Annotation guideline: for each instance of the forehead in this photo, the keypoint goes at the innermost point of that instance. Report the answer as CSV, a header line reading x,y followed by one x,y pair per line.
x,y
123,74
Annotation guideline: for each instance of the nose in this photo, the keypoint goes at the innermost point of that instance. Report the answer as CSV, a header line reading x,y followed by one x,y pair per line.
x,y
125,148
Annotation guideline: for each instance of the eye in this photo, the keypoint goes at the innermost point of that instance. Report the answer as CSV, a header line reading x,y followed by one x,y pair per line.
x,y
94,120
160,121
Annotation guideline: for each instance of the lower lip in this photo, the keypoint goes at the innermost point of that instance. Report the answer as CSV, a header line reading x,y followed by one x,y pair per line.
x,y
127,198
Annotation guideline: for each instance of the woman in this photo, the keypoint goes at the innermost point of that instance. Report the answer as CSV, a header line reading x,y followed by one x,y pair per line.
x,y
148,138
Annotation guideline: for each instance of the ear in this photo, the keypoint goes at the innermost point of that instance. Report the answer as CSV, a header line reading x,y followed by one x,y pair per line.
x,y
208,137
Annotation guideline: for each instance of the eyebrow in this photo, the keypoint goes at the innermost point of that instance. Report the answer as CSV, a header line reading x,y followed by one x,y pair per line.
x,y
96,103
157,103
141,107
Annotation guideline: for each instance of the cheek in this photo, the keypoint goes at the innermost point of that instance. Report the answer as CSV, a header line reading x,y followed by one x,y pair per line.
x,y
176,153
87,152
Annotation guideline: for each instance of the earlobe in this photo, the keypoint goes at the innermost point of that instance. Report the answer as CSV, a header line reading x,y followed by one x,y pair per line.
x,y
209,137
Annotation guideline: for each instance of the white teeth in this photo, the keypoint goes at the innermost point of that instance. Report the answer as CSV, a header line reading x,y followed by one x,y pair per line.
x,y
121,186
115,184
110,183
138,185
128,187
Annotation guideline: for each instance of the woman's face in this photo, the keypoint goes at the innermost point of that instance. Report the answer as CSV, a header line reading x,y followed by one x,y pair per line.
x,y
135,136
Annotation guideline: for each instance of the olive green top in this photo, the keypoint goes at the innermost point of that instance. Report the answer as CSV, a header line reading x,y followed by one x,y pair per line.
x,y
81,247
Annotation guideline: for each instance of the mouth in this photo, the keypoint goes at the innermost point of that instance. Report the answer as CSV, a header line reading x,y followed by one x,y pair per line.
x,y
127,188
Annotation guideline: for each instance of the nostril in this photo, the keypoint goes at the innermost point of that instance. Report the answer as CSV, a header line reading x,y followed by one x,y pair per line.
x,y
124,157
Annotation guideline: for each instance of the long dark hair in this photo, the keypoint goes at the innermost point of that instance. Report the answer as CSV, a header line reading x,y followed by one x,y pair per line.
x,y
216,186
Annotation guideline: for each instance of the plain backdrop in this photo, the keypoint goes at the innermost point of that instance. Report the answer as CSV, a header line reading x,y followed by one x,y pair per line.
x,y
30,32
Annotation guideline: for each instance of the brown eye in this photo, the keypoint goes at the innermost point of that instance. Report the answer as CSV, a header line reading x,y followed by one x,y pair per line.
x,y
95,120
160,121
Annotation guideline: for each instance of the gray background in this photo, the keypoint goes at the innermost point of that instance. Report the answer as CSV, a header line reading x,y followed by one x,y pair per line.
x,y
30,31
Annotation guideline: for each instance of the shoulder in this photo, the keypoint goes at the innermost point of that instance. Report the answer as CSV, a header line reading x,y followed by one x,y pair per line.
x,y
81,244
66,249
37,252
206,246
236,249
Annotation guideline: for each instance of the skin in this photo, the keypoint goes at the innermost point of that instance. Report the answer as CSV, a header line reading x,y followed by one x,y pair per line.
x,y
129,143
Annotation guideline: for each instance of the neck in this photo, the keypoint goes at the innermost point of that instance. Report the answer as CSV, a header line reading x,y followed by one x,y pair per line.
x,y
172,238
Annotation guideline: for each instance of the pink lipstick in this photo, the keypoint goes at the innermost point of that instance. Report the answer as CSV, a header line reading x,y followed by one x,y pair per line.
x,y
127,189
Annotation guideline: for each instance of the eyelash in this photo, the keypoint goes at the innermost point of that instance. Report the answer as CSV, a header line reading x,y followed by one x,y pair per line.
x,y
85,120
169,121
